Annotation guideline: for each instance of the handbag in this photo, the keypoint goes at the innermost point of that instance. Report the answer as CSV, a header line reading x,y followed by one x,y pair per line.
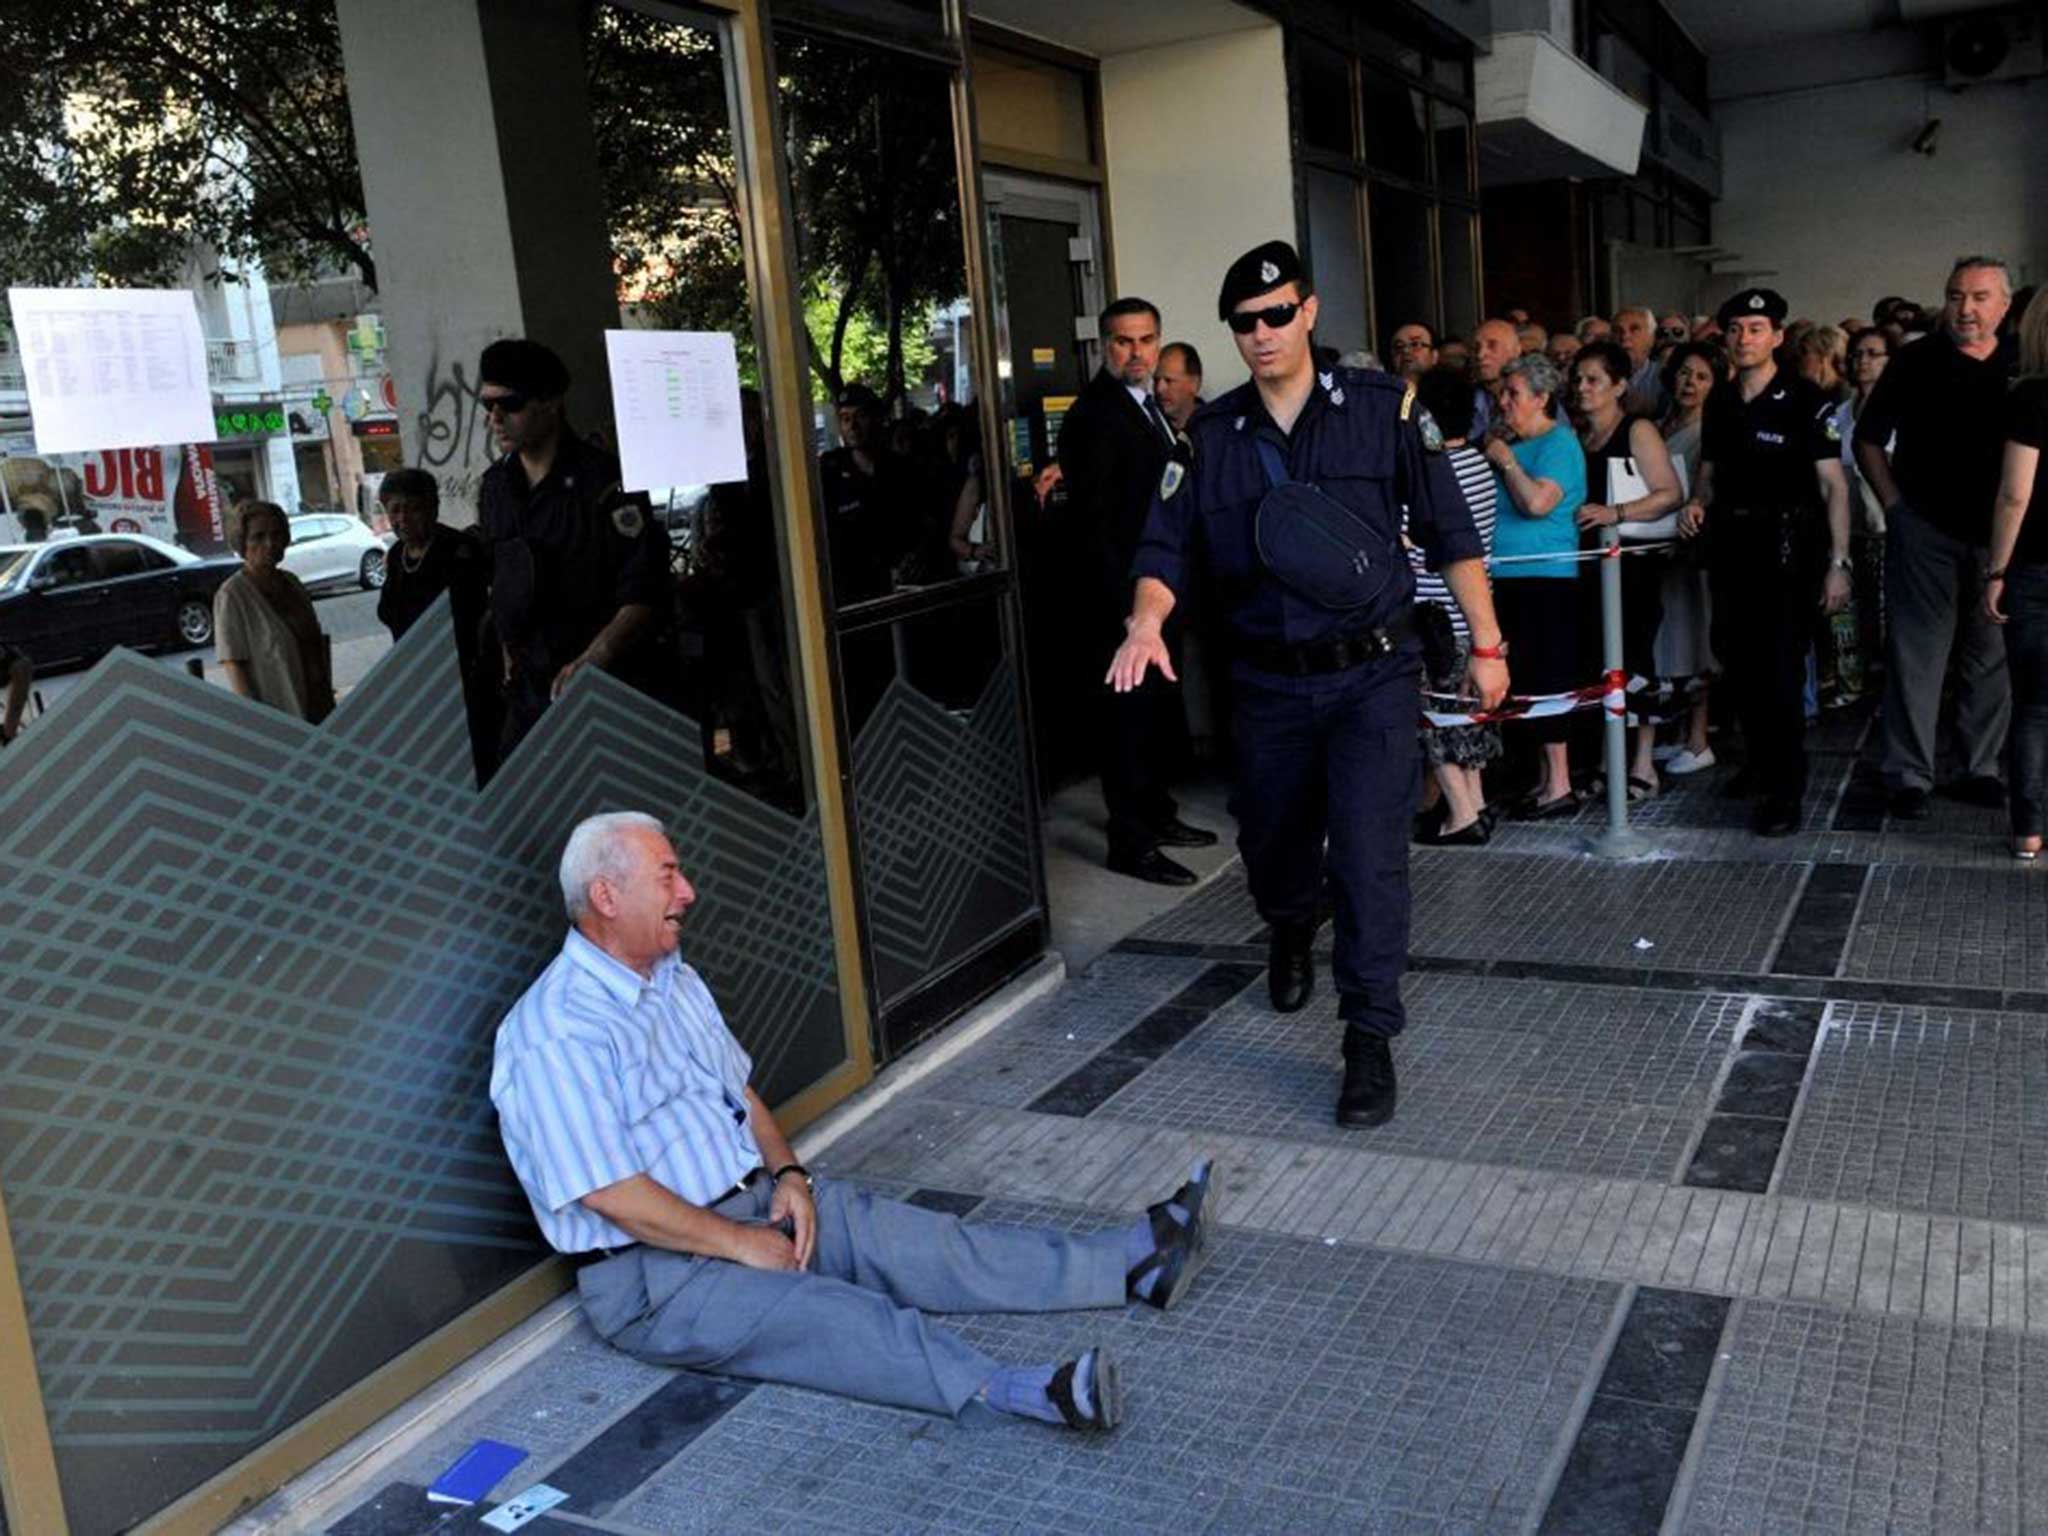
x,y
1625,483
1316,545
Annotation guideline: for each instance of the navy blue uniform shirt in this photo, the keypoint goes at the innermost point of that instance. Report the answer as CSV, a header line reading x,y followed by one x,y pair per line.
x,y
1358,439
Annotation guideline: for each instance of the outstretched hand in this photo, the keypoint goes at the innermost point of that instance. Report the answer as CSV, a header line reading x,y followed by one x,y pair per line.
x,y
1142,648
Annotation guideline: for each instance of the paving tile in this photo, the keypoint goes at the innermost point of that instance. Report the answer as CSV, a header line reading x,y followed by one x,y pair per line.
x,y
1841,1421
1931,924
1419,1390
1926,1109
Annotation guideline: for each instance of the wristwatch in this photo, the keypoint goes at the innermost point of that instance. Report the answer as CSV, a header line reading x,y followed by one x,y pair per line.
x,y
800,1170
1840,563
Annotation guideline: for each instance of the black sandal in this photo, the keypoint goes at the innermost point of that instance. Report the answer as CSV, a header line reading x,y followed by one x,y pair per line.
x,y
1105,1394
1180,1251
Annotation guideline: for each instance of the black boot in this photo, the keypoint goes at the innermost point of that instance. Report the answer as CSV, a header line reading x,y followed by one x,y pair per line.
x,y
1369,1091
1291,966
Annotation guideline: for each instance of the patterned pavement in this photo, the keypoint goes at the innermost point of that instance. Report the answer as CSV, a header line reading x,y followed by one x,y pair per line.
x,y
1716,1203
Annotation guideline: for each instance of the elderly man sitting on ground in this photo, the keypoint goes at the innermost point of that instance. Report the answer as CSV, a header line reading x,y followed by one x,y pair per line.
x,y
628,1117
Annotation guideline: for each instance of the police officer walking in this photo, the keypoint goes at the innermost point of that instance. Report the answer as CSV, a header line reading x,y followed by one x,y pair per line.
x,y
1290,494
1772,494
579,568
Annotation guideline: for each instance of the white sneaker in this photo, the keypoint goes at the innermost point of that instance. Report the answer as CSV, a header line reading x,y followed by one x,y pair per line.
x,y
1690,761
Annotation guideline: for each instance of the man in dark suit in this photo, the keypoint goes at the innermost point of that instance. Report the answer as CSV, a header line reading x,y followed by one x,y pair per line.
x,y
1113,448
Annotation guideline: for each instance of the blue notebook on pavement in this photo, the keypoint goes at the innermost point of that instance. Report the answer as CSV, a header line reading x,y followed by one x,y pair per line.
x,y
476,1473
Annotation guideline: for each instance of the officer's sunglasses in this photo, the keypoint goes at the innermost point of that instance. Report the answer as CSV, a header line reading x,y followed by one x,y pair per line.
x,y
509,404
1277,317
1674,333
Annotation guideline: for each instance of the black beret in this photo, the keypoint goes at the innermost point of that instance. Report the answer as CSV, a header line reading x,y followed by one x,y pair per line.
x,y
527,366
1767,302
1259,270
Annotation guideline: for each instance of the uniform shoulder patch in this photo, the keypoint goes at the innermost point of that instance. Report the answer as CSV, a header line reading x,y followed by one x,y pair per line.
x,y
1171,479
1432,434
627,519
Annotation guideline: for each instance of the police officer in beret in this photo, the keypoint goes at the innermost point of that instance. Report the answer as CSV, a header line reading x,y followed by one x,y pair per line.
x,y
579,568
1290,493
1774,502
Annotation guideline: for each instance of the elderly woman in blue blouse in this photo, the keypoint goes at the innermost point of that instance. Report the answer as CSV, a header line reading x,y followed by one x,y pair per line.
x,y
1541,475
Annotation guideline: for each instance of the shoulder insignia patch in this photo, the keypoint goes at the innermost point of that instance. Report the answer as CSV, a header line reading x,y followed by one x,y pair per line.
x,y
1432,434
1407,402
1834,430
1170,479
627,520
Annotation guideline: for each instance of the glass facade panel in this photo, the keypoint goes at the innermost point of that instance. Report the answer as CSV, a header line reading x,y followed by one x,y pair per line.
x,y
1336,259
1456,230
1325,99
1396,127
1403,271
1453,148
931,697
259,1045
1031,105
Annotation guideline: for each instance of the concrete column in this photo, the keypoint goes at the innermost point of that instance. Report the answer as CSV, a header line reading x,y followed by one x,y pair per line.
x,y
472,126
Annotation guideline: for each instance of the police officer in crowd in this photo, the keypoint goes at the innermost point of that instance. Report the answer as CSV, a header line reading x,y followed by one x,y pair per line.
x,y
1290,493
579,568
1775,503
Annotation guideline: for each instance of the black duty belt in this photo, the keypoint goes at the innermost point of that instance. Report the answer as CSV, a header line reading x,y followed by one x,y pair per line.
x,y
1339,653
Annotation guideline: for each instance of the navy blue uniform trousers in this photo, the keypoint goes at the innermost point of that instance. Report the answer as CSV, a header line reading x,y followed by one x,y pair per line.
x,y
1328,771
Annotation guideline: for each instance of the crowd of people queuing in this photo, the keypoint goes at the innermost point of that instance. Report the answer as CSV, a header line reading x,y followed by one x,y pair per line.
x,y
1806,507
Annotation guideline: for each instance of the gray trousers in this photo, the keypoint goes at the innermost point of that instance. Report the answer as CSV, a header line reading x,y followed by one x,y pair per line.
x,y
1934,589
853,1323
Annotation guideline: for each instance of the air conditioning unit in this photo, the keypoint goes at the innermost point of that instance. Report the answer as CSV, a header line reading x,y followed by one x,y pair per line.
x,y
1998,45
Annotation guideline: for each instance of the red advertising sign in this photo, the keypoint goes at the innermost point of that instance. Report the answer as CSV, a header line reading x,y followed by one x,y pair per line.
x,y
169,492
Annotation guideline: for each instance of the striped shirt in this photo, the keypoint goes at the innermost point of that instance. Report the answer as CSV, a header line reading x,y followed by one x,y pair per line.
x,y
1476,485
599,1075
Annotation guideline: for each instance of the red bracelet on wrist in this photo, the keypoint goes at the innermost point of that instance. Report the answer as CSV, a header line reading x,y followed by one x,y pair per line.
x,y
1490,652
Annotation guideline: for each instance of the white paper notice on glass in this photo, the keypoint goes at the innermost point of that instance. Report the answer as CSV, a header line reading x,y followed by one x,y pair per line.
x,y
676,398
113,367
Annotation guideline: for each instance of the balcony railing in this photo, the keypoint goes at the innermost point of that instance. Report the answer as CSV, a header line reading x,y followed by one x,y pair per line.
x,y
232,362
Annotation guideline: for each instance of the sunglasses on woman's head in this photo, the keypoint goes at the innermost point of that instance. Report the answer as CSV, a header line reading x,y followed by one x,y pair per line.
x,y
1277,317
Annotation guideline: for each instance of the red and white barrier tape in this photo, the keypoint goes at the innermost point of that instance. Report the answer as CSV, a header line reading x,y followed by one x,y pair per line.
x,y
1610,693
1610,552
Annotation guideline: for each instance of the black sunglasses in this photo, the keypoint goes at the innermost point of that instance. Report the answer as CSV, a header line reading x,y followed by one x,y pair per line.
x,y
1277,317
511,403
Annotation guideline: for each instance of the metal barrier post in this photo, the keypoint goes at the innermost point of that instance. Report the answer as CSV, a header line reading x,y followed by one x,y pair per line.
x,y
1617,841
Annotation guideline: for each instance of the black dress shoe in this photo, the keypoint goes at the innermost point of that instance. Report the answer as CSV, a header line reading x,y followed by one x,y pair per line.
x,y
1976,789
1178,834
1907,805
1775,817
1150,864
1476,833
1370,1091
1291,966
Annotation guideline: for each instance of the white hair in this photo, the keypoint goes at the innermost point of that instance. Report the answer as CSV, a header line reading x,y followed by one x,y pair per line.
x,y
1644,310
596,850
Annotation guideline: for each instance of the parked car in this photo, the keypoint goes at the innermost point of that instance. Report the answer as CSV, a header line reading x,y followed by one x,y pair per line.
x,y
75,599
329,548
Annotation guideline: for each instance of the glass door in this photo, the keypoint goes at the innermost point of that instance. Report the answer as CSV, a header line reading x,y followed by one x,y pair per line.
x,y
1045,243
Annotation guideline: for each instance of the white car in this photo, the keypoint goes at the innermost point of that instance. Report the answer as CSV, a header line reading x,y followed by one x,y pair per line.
x,y
328,548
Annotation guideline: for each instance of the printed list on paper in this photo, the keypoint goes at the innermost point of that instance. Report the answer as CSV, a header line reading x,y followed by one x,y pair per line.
x,y
112,367
676,398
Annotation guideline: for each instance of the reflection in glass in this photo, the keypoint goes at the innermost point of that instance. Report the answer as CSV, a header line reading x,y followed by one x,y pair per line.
x,y
1336,260
1453,148
1326,99
1461,292
883,264
1396,138
1401,277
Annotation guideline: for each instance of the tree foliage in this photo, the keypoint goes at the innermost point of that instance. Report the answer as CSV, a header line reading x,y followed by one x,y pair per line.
x,y
132,129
